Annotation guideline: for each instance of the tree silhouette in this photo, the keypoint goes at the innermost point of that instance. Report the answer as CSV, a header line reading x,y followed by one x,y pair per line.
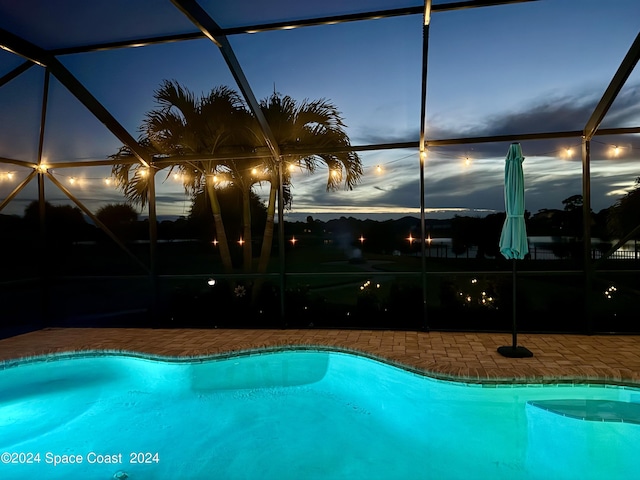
x,y
189,128
230,199
307,125
184,125
119,218
63,223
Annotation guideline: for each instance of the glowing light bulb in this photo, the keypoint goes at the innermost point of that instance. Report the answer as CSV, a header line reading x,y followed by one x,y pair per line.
x,y
10,175
72,180
292,167
254,171
569,152
467,162
378,169
107,181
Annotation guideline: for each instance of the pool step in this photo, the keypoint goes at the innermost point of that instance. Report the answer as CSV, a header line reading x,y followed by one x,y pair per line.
x,y
592,410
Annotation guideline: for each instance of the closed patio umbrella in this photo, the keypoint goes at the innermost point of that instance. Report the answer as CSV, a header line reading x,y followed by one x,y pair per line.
x,y
513,239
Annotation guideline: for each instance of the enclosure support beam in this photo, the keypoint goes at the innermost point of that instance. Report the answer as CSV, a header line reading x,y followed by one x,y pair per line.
x,y
201,19
283,284
196,14
15,72
617,82
586,231
17,190
37,55
153,245
286,25
170,160
96,220
423,157
45,292
618,245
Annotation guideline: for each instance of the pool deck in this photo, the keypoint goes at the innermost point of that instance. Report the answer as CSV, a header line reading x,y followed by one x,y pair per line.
x,y
467,357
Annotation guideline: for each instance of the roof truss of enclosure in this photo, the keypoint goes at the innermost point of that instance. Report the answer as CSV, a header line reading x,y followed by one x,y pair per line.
x,y
77,43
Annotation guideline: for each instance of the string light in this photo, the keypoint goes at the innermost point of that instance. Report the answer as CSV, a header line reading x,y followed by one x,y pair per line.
x,y
610,291
367,284
609,149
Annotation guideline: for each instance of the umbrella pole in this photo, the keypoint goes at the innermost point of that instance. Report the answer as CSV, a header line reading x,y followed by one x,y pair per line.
x,y
513,306
513,351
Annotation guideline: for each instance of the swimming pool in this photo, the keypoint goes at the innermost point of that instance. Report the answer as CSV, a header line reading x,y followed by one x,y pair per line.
x,y
300,414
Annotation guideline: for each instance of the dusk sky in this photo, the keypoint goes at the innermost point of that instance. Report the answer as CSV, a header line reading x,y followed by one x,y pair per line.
x,y
532,67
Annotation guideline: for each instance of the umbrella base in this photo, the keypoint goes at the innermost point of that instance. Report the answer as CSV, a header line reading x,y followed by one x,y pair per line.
x,y
515,352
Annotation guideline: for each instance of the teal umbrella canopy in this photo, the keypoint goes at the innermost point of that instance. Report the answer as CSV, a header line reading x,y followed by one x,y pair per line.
x,y
513,240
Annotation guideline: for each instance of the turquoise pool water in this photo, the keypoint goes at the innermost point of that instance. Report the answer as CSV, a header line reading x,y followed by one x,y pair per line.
x,y
301,414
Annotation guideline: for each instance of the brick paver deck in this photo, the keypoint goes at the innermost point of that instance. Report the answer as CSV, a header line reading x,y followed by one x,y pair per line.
x,y
469,357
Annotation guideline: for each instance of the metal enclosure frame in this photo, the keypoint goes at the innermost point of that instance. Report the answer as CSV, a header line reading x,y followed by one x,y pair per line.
x,y
208,28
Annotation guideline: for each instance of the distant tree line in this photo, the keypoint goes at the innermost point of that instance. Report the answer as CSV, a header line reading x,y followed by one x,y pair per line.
x,y
65,224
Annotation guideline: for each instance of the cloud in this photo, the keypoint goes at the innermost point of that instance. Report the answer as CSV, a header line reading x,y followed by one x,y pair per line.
x,y
553,113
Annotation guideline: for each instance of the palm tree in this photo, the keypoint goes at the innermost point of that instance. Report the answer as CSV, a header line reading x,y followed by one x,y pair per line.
x,y
219,123
305,126
184,125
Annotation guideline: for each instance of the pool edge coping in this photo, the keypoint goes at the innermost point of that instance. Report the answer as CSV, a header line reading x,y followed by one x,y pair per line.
x,y
435,372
